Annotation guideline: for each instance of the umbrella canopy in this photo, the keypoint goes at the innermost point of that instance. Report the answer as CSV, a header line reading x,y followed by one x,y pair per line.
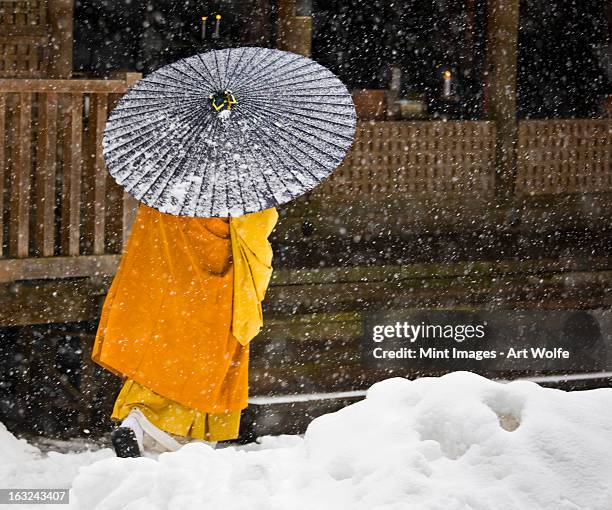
x,y
229,132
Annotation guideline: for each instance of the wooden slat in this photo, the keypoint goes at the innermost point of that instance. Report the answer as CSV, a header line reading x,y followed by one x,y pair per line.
x,y
2,167
97,121
63,86
60,30
20,185
45,175
71,189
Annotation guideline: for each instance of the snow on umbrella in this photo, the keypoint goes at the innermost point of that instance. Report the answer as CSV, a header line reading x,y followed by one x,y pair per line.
x,y
229,132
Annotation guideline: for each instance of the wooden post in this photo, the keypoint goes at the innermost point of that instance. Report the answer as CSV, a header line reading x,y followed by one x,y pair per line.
x,y
500,87
60,20
72,116
294,31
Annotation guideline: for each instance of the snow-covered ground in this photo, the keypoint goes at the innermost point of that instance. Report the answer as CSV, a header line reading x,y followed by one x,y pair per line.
x,y
456,442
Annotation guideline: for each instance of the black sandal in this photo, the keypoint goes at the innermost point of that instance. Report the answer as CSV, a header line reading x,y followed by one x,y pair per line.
x,y
125,443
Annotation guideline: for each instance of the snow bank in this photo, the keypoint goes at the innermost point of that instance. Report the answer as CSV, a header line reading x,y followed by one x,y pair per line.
x,y
456,442
23,466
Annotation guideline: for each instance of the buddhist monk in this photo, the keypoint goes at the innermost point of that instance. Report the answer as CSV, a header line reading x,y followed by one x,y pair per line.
x,y
176,326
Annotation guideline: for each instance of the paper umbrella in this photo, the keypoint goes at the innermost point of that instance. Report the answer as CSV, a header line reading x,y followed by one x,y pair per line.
x,y
229,132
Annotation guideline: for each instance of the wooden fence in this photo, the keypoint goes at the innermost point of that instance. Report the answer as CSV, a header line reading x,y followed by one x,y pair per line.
x,y
24,38
56,197
416,159
564,156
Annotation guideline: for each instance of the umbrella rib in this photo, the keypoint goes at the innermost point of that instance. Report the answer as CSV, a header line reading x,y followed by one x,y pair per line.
x,y
291,96
159,110
290,146
297,103
150,80
218,75
307,142
186,152
167,93
261,158
229,167
234,71
310,89
190,83
192,78
163,105
212,80
247,145
207,79
266,70
153,142
287,80
139,134
296,128
261,66
205,170
248,62
227,63
295,175
319,129
145,160
320,119
228,82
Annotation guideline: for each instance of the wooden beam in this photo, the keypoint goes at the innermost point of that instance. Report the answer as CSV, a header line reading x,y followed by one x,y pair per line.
x,y
40,268
294,32
500,87
2,167
53,301
60,14
65,86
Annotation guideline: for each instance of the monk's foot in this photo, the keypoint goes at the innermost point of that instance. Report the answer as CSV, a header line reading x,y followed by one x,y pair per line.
x,y
125,442
155,440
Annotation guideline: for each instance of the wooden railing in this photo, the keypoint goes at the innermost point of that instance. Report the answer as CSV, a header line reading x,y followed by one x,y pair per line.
x,y
56,199
457,159
564,156
63,216
416,159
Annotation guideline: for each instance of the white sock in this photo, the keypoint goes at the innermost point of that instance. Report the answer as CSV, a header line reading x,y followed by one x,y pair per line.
x,y
131,422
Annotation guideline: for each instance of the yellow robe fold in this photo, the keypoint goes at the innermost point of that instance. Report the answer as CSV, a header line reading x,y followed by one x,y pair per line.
x,y
252,256
184,304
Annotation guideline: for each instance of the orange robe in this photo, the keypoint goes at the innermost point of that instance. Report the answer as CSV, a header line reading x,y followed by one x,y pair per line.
x,y
168,321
